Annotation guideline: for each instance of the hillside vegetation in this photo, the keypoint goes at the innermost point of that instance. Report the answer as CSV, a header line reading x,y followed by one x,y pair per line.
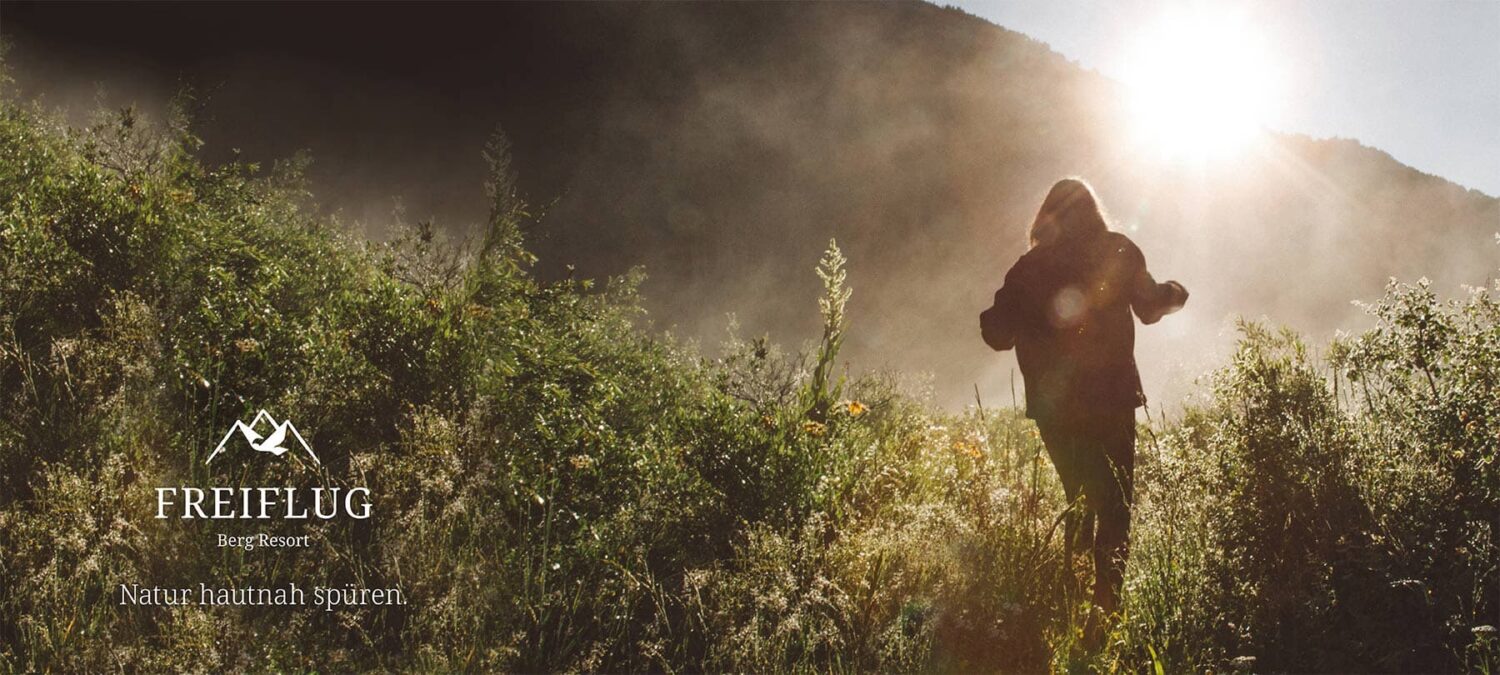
x,y
557,489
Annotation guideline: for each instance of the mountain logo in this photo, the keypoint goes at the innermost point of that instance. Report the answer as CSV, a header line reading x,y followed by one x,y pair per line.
x,y
273,442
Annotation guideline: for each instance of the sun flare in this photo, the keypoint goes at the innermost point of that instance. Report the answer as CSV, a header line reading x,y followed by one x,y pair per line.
x,y
1201,84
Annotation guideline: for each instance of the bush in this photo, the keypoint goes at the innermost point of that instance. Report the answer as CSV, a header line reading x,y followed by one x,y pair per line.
x,y
1337,523
557,489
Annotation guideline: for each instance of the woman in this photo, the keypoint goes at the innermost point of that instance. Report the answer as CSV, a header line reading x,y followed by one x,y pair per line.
x,y
1065,307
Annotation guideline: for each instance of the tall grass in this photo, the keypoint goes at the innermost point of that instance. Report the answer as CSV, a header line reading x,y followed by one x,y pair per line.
x,y
558,490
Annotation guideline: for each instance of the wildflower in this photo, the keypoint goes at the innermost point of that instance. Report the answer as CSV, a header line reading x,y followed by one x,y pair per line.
x,y
581,462
855,408
967,447
814,428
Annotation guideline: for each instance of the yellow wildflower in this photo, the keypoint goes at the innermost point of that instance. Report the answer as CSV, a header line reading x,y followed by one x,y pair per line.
x,y
965,446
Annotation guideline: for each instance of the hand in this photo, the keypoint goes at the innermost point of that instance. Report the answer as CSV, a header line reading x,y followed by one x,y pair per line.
x,y
1177,296
993,328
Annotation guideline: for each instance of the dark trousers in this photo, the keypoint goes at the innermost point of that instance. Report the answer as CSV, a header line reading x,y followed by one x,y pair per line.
x,y
1095,457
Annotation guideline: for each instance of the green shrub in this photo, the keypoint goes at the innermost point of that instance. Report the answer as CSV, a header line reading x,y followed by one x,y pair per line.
x,y
1339,523
557,489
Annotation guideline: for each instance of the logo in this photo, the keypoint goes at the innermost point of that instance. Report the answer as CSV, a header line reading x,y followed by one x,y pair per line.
x,y
274,442
265,434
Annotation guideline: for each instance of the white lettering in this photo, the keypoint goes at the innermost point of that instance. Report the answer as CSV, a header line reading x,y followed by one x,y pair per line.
x,y
161,501
287,503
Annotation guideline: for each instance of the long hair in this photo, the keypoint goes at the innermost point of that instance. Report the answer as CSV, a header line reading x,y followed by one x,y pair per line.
x,y
1069,213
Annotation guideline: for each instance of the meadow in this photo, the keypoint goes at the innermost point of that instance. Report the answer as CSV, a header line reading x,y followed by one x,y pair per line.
x,y
558,487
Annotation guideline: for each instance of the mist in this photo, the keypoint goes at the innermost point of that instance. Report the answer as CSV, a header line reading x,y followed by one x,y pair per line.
x,y
721,146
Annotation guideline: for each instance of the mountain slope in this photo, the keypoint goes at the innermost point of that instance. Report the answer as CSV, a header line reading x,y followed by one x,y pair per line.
x,y
923,139
720,146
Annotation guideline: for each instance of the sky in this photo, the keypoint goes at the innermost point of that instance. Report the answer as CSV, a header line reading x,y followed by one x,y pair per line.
x,y
1417,79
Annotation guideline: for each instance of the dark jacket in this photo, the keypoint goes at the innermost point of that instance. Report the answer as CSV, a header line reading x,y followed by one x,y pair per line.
x,y
1065,307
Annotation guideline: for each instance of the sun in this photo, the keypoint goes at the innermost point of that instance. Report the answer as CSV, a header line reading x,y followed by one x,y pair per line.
x,y
1201,83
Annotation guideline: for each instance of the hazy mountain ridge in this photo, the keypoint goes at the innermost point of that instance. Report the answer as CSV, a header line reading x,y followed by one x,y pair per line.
x,y
923,139
720,146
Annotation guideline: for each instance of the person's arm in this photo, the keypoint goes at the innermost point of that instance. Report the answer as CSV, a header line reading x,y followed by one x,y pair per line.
x,y
1150,300
999,324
